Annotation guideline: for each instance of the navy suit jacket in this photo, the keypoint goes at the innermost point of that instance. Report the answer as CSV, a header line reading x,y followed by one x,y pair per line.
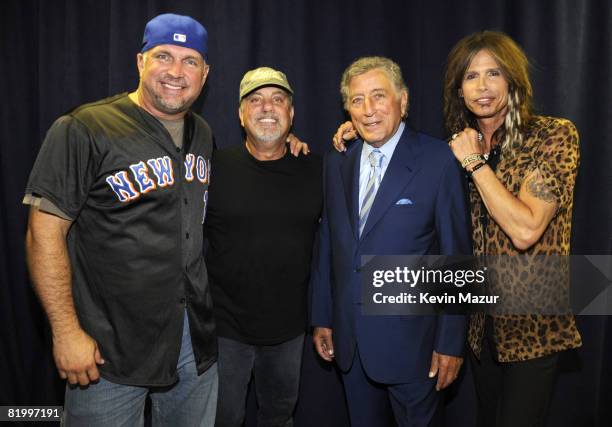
x,y
393,349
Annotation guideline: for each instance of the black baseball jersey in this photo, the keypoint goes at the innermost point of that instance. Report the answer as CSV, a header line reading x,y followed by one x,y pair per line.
x,y
137,203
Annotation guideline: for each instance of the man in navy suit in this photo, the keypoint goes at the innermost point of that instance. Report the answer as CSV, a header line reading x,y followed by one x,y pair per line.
x,y
395,192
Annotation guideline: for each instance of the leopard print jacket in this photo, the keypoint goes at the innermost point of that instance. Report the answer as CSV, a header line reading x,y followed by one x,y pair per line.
x,y
551,145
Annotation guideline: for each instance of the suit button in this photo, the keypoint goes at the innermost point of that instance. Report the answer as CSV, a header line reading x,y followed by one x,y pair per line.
x,y
182,301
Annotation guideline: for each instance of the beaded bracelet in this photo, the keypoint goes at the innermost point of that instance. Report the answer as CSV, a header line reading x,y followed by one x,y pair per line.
x,y
471,158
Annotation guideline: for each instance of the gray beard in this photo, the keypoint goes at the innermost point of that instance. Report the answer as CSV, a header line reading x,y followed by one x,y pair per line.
x,y
268,137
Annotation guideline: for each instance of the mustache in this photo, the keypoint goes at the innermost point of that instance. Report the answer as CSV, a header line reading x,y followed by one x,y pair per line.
x,y
267,116
176,81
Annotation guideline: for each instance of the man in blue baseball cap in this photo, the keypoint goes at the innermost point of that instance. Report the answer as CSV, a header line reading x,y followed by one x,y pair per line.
x,y
172,65
117,198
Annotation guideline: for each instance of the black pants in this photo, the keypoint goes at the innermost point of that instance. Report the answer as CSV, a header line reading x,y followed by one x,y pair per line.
x,y
276,372
512,394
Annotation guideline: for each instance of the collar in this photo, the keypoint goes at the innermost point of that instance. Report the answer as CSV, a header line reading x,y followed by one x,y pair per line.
x,y
388,147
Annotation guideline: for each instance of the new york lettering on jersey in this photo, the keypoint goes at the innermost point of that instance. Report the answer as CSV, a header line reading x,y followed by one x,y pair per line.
x,y
154,173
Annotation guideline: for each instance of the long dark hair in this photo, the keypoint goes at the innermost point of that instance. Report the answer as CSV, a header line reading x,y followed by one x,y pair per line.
x,y
514,66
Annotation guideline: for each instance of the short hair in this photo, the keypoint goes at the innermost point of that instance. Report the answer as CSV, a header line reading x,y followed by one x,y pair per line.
x,y
514,66
369,63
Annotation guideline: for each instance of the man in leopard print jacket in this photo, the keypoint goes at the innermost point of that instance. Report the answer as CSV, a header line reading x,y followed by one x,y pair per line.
x,y
521,192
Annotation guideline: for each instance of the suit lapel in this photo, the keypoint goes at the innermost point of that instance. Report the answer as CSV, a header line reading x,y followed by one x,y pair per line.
x,y
402,168
350,179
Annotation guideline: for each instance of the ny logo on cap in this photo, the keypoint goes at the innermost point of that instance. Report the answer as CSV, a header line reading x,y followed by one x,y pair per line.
x,y
179,37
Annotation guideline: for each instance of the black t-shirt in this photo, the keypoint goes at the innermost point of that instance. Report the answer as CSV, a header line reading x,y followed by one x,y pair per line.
x,y
137,203
261,222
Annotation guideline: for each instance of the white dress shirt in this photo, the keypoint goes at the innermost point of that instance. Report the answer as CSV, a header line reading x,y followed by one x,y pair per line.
x,y
364,165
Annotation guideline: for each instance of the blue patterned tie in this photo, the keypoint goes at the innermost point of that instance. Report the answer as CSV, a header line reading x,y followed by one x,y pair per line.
x,y
375,159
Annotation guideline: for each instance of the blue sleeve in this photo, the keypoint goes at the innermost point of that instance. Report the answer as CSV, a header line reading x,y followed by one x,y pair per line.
x,y
453,227
320,279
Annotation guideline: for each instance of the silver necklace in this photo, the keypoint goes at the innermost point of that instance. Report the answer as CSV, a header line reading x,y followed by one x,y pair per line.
x,y
480,138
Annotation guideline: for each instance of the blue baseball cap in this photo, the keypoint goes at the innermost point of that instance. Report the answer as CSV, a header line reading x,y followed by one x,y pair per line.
x,y
174,29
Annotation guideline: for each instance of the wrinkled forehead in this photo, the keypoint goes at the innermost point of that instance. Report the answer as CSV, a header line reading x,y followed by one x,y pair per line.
x,y
268,91
371,80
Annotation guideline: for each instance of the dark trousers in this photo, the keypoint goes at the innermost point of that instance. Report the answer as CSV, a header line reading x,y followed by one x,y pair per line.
x,y
373,404
276,373
512,394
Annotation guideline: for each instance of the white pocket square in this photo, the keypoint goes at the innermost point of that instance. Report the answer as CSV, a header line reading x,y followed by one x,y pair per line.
x,y
404,202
